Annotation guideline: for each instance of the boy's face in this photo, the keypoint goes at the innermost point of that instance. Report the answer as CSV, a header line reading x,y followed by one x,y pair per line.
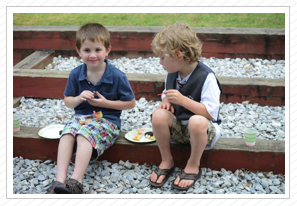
x,y
170,64
93,53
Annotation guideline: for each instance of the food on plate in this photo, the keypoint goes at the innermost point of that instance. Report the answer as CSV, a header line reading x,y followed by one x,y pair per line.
x,y
136,137
139,131
141,135
149,135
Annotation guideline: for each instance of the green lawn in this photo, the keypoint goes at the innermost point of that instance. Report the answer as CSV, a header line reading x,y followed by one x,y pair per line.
x,y
241,20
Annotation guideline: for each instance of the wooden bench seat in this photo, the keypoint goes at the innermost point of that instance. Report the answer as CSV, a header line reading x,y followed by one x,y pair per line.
x,y
228,153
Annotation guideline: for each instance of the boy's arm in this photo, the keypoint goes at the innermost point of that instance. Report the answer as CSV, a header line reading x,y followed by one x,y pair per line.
x,y
72,102
174,96
117,104
196,107
121,105
166,105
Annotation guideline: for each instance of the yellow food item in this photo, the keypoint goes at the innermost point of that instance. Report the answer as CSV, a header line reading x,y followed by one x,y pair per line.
x,y
151,138
136,137
139,132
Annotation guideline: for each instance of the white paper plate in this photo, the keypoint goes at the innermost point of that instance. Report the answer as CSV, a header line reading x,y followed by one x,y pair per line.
x,y
130,135
51,131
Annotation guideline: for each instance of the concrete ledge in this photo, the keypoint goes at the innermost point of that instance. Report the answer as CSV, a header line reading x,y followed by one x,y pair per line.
x,y
230,154
155,29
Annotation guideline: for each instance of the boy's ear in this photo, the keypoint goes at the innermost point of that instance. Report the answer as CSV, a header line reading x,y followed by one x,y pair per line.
x,y
108,50
179,55
77,50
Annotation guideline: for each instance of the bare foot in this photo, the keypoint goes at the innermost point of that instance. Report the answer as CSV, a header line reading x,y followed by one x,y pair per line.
x,y
163,165
185,183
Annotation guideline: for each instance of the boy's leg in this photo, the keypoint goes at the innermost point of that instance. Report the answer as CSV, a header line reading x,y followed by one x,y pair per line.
x,y
162,121
198,126
64,156
83,155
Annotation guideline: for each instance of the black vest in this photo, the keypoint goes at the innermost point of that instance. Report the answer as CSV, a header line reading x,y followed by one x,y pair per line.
x,y
191,89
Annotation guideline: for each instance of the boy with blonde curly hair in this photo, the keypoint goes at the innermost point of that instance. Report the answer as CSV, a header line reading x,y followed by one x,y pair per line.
x,y
190,104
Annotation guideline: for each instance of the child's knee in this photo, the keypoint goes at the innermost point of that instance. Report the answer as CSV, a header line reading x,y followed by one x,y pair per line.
x,y
160,116
68,137
198,124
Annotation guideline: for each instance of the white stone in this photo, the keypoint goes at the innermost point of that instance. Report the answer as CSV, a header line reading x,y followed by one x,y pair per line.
x,y
276,124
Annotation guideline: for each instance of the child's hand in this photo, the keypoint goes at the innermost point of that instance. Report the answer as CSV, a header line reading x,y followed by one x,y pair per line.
x,y
100,102
86,95
174,96
166,106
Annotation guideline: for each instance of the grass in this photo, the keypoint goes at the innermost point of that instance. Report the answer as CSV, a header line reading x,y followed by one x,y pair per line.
x,y
240,20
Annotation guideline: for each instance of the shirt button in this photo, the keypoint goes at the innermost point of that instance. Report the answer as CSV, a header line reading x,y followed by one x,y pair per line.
x,y
89,82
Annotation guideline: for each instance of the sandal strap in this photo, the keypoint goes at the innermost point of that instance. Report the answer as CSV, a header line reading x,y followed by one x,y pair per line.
x,y
74,186
160,172
50,190
188,176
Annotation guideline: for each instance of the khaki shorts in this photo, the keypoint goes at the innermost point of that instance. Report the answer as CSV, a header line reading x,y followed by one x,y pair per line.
x,y
181,133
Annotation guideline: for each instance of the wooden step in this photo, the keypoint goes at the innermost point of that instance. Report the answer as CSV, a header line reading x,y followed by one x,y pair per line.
x,y
37,83
131,42
228,153
31,80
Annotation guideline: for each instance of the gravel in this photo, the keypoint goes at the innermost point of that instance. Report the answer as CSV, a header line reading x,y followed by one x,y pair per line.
x,y
268,120
249,68
103,177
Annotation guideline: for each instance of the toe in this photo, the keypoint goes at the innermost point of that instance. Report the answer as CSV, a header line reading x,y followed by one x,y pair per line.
x,y
188,183
160,179
153,177
185,183
181,183
176,182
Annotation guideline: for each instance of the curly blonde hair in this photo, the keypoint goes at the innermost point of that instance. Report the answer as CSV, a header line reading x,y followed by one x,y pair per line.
x,y
178,37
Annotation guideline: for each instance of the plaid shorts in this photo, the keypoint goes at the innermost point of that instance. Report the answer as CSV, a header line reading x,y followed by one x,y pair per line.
x,y
181,133
101,134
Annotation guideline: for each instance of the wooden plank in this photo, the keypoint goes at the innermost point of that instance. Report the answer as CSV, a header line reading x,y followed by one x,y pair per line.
x,y
40,73
228,153
239,81
236,81
36,60
39,84
217,42
16,101
222,144
266,46
20,54
39,87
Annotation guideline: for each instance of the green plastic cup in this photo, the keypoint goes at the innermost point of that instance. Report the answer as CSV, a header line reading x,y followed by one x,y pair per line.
x,y
250,135
16,123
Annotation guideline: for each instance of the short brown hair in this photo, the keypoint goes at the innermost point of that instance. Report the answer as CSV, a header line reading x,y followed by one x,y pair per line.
x,y
178,37
92,32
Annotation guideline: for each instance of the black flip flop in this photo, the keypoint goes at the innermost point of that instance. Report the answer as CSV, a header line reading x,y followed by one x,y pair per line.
x,y
160,172
187,176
